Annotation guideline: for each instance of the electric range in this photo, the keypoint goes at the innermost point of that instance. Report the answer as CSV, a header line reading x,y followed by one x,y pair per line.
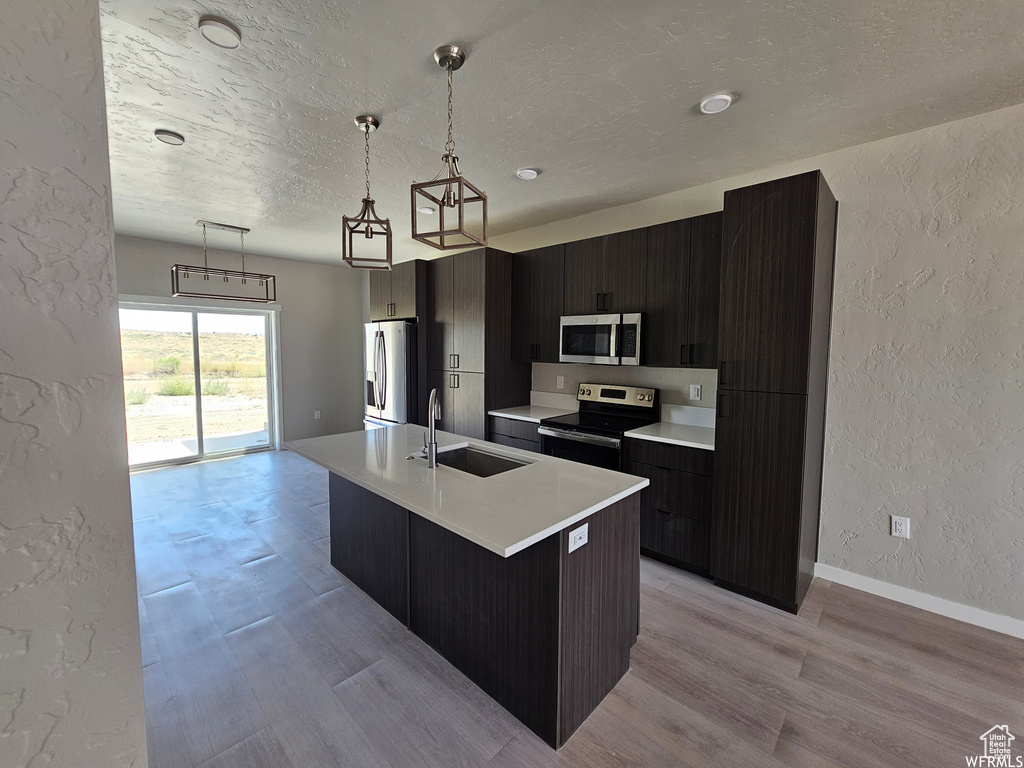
x,y
593,435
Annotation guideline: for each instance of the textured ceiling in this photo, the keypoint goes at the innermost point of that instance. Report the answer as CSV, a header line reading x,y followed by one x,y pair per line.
x,y
599,95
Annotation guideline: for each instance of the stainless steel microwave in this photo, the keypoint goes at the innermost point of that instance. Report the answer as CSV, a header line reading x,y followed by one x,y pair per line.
x,y
600,339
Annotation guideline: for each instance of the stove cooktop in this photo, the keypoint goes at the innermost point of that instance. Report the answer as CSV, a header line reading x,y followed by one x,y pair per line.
x,y
610,410
597,424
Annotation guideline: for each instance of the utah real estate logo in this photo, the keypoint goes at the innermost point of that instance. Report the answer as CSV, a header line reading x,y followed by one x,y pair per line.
x,y
997,741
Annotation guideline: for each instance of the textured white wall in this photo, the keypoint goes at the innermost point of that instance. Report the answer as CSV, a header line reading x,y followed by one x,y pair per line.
x,y
926,395
321,326
70,665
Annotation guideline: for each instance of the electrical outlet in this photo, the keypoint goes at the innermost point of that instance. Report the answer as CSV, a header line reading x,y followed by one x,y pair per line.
x,y
316,414
578,537
695,392
559,382
900,526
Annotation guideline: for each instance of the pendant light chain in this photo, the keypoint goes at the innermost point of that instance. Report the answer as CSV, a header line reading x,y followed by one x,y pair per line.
x,y
366,131
242,234
449,146
206,262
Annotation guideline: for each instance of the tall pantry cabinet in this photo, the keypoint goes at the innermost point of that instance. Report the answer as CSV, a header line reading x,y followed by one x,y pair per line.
x,y
778,254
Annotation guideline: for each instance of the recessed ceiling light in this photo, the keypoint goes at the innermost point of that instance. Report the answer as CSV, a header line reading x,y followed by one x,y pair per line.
x,y
220,32
527,174
426,210
169,137
719,102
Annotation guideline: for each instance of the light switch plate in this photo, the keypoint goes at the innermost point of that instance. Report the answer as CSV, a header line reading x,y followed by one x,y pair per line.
x,y
695,391
316,414
578,537
559,382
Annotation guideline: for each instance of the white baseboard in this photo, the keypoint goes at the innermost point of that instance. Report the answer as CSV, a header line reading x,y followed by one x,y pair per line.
x,y
994,621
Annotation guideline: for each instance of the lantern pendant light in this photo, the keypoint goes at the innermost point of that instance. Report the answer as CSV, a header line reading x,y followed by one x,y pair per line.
x,y
358,232
447,211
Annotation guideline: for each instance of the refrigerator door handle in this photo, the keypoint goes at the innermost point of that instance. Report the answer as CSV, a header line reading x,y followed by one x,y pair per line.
x,y
384,372
376,368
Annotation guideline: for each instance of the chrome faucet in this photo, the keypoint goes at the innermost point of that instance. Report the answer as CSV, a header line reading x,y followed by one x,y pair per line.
x,y
434,407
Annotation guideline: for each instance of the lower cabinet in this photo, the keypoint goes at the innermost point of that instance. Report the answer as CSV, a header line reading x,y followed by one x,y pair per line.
x,y
463,402
676,508
514,433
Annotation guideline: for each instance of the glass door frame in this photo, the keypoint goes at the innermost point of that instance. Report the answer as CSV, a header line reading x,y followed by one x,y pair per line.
x,y
271,313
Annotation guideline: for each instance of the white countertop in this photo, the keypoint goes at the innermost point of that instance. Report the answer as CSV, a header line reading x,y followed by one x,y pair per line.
x,y
677,434
505,513
532,413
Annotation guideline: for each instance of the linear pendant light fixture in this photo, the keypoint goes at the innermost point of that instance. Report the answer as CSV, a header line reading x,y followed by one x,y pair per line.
x,y
206,282
374,233
461,207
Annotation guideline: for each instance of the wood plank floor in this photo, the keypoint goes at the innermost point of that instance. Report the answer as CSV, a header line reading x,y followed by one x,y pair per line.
x,y
257,653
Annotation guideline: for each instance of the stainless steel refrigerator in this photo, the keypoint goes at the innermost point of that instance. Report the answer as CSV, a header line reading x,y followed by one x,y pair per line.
x,y
389,354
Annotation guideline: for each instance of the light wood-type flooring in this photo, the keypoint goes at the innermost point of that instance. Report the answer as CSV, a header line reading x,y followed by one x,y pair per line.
x,y
258,654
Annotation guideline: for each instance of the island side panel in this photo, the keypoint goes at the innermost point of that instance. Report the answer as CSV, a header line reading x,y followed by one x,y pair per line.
x,y
370,544
600,610
495,619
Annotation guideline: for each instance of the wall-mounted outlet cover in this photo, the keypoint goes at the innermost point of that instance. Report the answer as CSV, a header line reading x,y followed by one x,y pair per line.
x,y
900,526
578,537
695,391
559,382
316,414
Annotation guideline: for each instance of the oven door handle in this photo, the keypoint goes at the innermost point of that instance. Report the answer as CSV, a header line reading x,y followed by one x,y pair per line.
x,y
579,437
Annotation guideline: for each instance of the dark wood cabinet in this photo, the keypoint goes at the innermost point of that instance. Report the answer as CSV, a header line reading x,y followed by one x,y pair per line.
x,y
774,325
759,446
676,510
681,304
441,314
393,293
702,297
469,331
770,247
537,288
370,544
514,433
469,296
606,274
470,409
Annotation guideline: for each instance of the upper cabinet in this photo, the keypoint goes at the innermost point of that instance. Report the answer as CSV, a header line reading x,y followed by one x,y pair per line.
x,y
393,292
681,303
774,233
468,327
537,284
606,274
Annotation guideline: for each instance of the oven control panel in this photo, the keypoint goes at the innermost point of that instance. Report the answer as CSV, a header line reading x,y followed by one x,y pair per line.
x,y
640,397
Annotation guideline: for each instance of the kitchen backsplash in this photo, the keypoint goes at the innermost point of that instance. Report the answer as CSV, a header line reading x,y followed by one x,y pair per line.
x,y
674,383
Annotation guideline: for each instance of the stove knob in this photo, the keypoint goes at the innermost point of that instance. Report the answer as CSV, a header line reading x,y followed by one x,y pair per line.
x,y
639,397
650,397
588,391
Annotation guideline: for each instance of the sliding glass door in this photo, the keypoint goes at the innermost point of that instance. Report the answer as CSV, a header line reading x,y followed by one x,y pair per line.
x,y
197,382
233,381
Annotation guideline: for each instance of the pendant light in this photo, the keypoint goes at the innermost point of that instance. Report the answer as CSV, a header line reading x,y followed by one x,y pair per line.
x,y
206,282
461,208
360,252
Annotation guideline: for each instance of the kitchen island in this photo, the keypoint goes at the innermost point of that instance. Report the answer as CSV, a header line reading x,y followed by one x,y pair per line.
x,y
522,570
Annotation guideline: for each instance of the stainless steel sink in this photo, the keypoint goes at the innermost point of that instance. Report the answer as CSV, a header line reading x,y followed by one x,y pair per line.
x,y
477,462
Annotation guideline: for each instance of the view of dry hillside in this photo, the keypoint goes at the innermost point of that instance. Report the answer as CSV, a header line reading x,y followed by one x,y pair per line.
x,y
160,387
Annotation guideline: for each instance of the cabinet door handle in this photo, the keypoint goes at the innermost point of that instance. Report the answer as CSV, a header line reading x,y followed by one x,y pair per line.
x,y
451,360
719,413
394,310
456,365
682,354
456,380
721,373
693,354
